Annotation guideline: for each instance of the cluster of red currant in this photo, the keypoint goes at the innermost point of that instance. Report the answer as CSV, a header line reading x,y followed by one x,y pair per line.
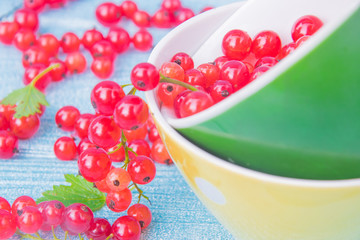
x,y
244,60
28,218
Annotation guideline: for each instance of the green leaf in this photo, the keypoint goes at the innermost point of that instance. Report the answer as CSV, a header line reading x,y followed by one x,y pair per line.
x,y
80,191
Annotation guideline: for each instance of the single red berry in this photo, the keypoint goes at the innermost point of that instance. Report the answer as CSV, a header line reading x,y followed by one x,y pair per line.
x,y
305,25
159,153
103,48
102,67
141,19
220,61
7,224
91,37
266,44
195,102
183,14
65,148
49,43
131,112
118,179
167,92
162,18
153,134
118,155
82,124
4,123
85,144
4,204
70,42
35,55
35,5
108,14
29,219
236,72
32,71
286,50
75,62
8,31
140,147
27,18
195,78
142,213
220,90
142,40
20,203
59,73
104,132
7,111
24,39
66,117
25,127
126,228
105,95
94,164
184,60
51,212
236,44
268,61
128,8
77,218
100,229
142,169
139,133
171,5
119,201
258,72
56,3
119,38
172,70
8,144
210,71
144,76
301,40
102,186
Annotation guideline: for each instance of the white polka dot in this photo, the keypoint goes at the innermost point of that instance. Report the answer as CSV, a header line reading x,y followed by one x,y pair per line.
x,y
210,191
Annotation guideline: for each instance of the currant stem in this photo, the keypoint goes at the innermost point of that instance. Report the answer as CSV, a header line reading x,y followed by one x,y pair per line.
x,y
177,82
109,237
132,91
141,193
126,85
45,71
53,232
116,149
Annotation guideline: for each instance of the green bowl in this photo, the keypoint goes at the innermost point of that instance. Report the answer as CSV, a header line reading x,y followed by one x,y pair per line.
x,y
302,118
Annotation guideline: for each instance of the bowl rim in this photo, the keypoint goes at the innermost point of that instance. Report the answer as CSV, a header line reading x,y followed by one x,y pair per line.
x,y
167,123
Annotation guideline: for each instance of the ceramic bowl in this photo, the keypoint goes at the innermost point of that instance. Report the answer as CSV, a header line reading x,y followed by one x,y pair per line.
x,y
300,119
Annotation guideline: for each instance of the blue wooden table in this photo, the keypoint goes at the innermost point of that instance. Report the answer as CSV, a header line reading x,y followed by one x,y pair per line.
x,y
177,213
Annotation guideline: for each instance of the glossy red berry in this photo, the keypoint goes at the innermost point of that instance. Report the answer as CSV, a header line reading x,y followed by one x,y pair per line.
x,y
171,5
7,111
128,8
301,40
7,224
102,186
220,61
8,144
167,92
142,213
105,95
82,124
91,37
51,212
20,203
56,3
66,117
141,19
266,61
142,169
266,44
184,60
49,43
103,48
286,50
27,18
75,63
77,218
210,71
100,229
305,25
236,44
4,204
118,155
85,144
8,31
25,127
236,72
139,133
131,112
119,201
59,73
159,153
142,40
195,102
104,132
220,90
119,38
153,134
65,148
172,70
35,55
24,39
29,219
258,72
195,78
108,14
102,67
183,14
70,42
4,123
94,164
140,147
118,179
35,5
162,18
144,76
126,228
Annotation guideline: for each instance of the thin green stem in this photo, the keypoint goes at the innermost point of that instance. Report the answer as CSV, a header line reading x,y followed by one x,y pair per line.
x,y
116,149
132,91
53,232
141,193
126,85
41,74
37,234
177,82
66,234
80,237
110,236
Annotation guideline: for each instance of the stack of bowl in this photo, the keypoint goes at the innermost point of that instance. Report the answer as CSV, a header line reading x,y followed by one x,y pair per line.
x,y
280,158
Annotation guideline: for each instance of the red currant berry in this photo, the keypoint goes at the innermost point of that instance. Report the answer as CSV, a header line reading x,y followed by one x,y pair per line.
x,y
108,14
236,44
142,169
131,112
162,18
59,73
24,39
26,18
142,213
65,148
105,95
301,40
141,19
119,38
144,76
118,155
75,62
195,102
142,40
266,61
7,111
70,42
195,78
126,227
171,5
102,67
220,90
153,134
258,72
35,5
306,25
49,43
167,92
7,224
56,3
91,37
104,132
8,144
32,71
4,204
8,31
82,124
184,60
85,144
210,71
236,72
220,61
266,44
100,229
139,133
20,203
119,201
77,218
4,123
51,212
172,70
25,127
66,117
35,55
159,153
103,48
118,179
102,186
29,219
94,164
140,147
128,8
286,50
183,14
